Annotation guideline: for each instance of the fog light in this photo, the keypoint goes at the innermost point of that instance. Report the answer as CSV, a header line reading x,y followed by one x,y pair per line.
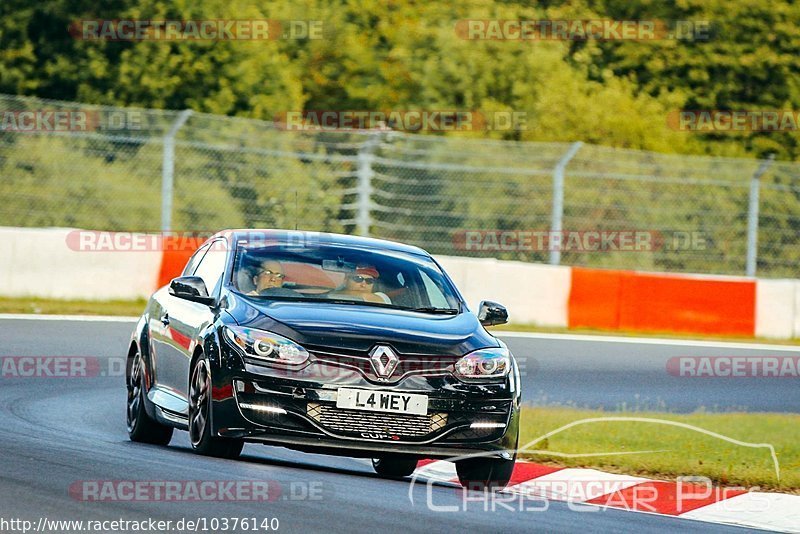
x,y
487,425
263,408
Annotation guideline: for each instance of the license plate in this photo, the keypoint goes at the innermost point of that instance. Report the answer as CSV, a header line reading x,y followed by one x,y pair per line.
x,y
382,401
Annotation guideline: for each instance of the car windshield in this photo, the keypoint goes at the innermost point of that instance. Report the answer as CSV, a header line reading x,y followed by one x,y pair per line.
x,y
335,273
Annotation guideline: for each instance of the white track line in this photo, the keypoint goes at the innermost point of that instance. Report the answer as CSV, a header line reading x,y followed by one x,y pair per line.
x,y
81,318
648,341
499,333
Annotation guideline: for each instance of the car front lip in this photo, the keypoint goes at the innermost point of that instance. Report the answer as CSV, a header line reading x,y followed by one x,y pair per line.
x,y
502,448
457,415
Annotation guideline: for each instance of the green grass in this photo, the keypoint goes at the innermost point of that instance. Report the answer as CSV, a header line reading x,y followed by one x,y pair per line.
x,y
680,451
71,307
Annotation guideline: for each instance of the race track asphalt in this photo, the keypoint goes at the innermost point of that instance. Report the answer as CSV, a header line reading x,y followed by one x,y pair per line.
x,y
628,373
57,432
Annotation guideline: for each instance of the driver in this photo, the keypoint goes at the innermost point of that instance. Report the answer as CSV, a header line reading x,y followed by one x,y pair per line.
x,y
268,279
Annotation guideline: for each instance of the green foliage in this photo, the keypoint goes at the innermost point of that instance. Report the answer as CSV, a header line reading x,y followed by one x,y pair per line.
x,y
406,55
51,181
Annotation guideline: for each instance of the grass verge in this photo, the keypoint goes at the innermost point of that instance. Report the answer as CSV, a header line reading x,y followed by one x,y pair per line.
x,y
71,307
674,451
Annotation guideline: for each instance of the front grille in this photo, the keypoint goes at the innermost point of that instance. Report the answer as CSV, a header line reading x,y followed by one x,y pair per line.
x,y
407,363
354,421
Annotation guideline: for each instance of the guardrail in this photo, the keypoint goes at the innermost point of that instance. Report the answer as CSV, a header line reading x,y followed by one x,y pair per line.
x,y
49,263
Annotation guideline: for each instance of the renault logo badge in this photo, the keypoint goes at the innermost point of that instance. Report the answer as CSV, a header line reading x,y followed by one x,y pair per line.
x,y
384,361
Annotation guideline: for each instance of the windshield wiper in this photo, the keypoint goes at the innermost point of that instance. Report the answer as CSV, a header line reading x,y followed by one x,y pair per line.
x,y
443,311
306,298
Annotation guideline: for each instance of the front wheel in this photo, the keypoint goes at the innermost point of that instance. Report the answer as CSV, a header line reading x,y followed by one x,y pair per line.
x,y
141,427
200,417
484,473
394,465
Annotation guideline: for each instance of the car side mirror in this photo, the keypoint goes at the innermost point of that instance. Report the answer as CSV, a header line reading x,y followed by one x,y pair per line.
x,y
492,313
190,288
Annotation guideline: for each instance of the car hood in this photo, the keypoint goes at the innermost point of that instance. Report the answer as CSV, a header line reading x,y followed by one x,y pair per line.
x,y
355,327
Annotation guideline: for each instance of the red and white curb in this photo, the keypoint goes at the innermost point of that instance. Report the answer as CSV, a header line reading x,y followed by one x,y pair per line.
x,y
734,506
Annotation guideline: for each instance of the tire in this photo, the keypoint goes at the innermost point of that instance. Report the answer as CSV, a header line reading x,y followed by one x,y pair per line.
x,y
394,465
141,427
483,474
200,417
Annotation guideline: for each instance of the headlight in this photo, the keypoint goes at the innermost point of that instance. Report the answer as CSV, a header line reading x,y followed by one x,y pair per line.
x,y
484,363
266,346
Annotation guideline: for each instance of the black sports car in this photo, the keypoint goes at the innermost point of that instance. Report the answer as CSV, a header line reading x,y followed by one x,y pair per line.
x,y
325,343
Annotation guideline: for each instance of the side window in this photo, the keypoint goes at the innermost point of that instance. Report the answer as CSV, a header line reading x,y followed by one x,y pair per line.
x,y
212,266
195,259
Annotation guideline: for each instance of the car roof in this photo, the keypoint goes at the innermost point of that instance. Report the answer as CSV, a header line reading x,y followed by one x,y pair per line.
x,y
292,236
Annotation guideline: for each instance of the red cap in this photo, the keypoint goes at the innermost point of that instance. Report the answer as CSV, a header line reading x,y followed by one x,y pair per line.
x,y
367,270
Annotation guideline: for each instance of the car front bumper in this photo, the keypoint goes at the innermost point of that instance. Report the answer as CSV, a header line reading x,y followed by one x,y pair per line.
x,y
298,410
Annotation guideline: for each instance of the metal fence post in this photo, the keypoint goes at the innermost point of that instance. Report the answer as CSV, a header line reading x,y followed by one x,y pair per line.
x,y
168,170
557,219
366,155
752,216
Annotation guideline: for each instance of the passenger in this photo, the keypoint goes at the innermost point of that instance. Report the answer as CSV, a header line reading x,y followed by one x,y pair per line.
x,y
360,284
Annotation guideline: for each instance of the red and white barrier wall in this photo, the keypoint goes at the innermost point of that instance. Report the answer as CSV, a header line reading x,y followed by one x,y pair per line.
x,y
43,262
53,263
576,297
532,292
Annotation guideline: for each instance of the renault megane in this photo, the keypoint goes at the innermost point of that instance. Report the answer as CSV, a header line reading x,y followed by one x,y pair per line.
x,y
325,343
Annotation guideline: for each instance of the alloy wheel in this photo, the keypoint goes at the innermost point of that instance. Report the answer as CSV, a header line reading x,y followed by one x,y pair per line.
x,y
199,389
134,403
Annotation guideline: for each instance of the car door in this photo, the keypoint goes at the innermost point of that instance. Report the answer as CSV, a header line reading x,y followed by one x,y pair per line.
x,y
181,323
161,341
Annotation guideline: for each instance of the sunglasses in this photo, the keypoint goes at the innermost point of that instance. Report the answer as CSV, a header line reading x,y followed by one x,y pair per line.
x,y
358,279
279,276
